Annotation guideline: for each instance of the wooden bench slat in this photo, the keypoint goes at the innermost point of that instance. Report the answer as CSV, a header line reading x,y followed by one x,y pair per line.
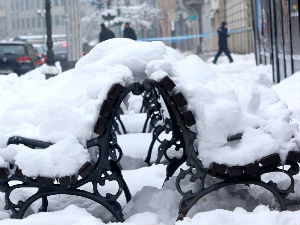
x,y
115,91
67,180
252,168
4,173
179,100
188,118
218,169
272,160
106,108
45,180
235,171
100,126
86,169
293,157
167,83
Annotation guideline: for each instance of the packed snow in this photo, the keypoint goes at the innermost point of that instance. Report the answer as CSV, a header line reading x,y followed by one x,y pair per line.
x,y
288,92
226,99
224,105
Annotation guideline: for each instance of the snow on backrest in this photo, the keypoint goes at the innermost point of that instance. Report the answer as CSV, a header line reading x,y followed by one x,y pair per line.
x,y
64,109
223,107
132,54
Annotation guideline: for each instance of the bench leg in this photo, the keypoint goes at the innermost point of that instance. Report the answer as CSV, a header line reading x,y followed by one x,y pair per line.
x,y
146,123
117,169
173,165
121,123
44,206
189,198
111,205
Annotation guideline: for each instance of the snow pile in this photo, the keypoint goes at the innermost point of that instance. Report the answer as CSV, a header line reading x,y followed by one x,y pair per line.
x,y
73,215
288,91
135,55
64,109
224,106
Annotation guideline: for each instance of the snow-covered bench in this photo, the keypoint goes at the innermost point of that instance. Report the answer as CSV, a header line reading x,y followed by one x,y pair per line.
x,y
233,133
271,142
102,165
183,125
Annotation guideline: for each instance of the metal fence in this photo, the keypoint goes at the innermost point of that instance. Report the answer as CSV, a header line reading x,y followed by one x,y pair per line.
x,y
277,37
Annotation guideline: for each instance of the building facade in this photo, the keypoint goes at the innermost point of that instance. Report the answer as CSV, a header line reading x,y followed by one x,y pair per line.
x,y
277,35
211,13
27,17
237,13
177,20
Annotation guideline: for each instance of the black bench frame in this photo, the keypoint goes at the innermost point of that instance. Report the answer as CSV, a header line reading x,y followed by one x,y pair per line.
x,y
183,119
107,167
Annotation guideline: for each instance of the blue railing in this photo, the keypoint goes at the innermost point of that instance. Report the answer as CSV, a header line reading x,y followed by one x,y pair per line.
x,y
187,37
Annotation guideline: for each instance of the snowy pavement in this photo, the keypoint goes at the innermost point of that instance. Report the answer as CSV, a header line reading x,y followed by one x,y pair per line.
x,y
154,204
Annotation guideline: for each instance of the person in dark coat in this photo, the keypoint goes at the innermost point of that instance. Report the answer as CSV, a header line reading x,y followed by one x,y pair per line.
x,y
129,32
223,46
105,33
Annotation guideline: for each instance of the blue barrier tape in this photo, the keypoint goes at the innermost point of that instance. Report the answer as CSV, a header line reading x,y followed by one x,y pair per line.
x,y
187,37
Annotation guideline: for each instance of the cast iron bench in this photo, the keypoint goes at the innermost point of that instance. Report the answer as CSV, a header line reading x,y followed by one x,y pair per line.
x,y
182,120
106,168
178,122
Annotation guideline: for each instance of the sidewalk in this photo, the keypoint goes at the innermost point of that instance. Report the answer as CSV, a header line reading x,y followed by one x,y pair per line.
x,y
206,55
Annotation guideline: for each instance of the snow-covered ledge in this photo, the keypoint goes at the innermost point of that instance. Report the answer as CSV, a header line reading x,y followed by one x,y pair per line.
x,y
51,71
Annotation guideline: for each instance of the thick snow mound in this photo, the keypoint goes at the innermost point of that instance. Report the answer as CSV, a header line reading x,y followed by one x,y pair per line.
x,y
74,215
63,110
135,55
224,106
288,91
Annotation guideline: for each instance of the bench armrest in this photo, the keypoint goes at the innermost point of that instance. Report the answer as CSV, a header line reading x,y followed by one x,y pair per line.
x,y
31,143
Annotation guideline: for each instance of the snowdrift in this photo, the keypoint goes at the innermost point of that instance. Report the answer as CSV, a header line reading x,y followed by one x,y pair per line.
x,y
63,109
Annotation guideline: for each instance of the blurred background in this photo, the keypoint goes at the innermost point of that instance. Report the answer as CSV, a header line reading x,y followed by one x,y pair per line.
x,y
187,25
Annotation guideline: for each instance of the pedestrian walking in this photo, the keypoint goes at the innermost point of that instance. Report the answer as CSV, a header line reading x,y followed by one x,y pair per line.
x,y
105,33
129,32
223,46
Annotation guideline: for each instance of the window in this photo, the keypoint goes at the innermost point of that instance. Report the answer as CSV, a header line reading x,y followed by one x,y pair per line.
x,y
55,3
62,2
12,6
39,22
62,20
33,22
22,4
27,4
12,49
28,22
38,4
17,5
32,4
18,24
23,23
13,24
56,20
2,24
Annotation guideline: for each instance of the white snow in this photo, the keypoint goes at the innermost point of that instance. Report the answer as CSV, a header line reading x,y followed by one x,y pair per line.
x,y
226,98
226,102
288,91
64,109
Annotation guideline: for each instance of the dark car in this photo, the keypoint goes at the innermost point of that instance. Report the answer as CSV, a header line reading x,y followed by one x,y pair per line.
x,y
17,57
60,50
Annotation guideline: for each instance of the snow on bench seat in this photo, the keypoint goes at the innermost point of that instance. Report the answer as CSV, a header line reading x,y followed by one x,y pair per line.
x,y
224,108
64,110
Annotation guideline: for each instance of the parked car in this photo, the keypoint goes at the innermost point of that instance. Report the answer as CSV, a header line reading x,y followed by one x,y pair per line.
x,y
17,57
41,52
60,50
